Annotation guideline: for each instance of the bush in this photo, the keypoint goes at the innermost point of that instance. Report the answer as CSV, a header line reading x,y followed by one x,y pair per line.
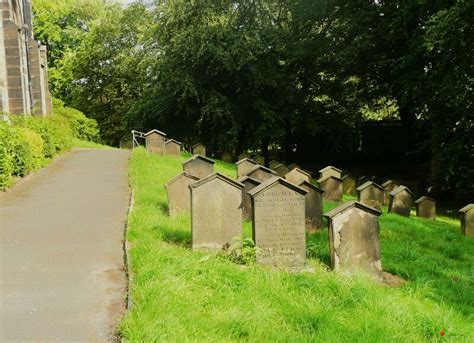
x,y
27,151
82,127
6,158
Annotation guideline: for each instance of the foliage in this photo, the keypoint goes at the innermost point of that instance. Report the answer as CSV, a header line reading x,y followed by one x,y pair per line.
x,y
83,128
27,151
6,156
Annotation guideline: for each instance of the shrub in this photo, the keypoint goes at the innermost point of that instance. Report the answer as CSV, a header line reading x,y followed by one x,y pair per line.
x,y
82,127
6,158
27,151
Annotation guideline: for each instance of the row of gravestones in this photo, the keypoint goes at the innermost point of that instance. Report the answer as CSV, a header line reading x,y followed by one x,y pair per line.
x,y
156,142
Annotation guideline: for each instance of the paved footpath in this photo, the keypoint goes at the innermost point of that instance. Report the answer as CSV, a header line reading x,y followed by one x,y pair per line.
x,y
62,275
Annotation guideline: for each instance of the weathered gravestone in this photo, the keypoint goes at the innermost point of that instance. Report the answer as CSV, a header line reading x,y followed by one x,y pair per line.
x,y
244,166
226,156
261,173
330,171
279,223
198,166
243,155
216,212
273,164
371,194
293,166
155,141
349,185
354,239
179,196
249,184
425,207
401,201
173,147
313,205
199,149
332,187
388,186
467,220
281,170
296,175
259,159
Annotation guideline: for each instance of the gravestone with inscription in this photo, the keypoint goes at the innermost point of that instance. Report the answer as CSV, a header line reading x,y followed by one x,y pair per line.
x,y
296,175
467,220
330,171
198,166
279,223
199,149
281,170
216,212
401,201
388,186
332,187
425,207
349,185
313,205
261,173
354,239
371,194
244,166
173,147
179,196
249,184
155,141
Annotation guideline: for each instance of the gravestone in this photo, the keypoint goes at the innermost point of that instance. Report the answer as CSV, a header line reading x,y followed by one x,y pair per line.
x,y
401,201
273,164
279,223
198,166
313,205
349,185
425,207
371,194
388,186
226,156
249,184
354,239
296,175
155,141
216,212
259,159
332,187
244,166
243,155
199,149
467,220
330,171
261,173
281,170
293,166
179,196
173,147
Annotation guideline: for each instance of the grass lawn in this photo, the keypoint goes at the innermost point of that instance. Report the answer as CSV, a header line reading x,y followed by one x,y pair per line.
x,y
179,295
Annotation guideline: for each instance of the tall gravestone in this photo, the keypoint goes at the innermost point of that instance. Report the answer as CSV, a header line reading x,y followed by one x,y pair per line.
x,y
261,173
198,166
425,207
279,223
179,196
216,212
155,141
467,220
199,149
173,147
249,184
244,166
313,205
349,185
330,171
401,201
296,175
371,194
388,186
332,187
281,170
354,239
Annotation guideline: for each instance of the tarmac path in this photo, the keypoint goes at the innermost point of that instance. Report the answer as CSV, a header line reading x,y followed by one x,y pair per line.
x,y
62,275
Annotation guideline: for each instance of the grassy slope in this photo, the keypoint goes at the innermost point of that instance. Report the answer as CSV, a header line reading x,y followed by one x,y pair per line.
x,y
180,295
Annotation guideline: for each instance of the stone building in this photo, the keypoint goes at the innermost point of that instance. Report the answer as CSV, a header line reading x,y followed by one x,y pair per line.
x,y
23,62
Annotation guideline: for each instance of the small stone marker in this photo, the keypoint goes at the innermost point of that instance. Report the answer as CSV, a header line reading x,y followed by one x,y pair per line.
x,y
199,149
249,184
296,175
293,166
388,186
425,207
259,159
226,156
279,223
155,141
313,205
273,164
332,187
467,220
173,147
371,194
244,166
179,196
401,201
354,239
281,170
198,166
261,173
330,171
349,185
216,212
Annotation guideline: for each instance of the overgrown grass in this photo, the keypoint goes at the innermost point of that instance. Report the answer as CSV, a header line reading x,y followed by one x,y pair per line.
x,y
179,295
79,143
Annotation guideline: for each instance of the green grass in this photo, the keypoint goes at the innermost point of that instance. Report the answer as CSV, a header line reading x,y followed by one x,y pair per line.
x,y
89,145
179,295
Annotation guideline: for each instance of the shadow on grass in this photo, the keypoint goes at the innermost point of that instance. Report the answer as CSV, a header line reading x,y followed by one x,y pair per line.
x,y
180,238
